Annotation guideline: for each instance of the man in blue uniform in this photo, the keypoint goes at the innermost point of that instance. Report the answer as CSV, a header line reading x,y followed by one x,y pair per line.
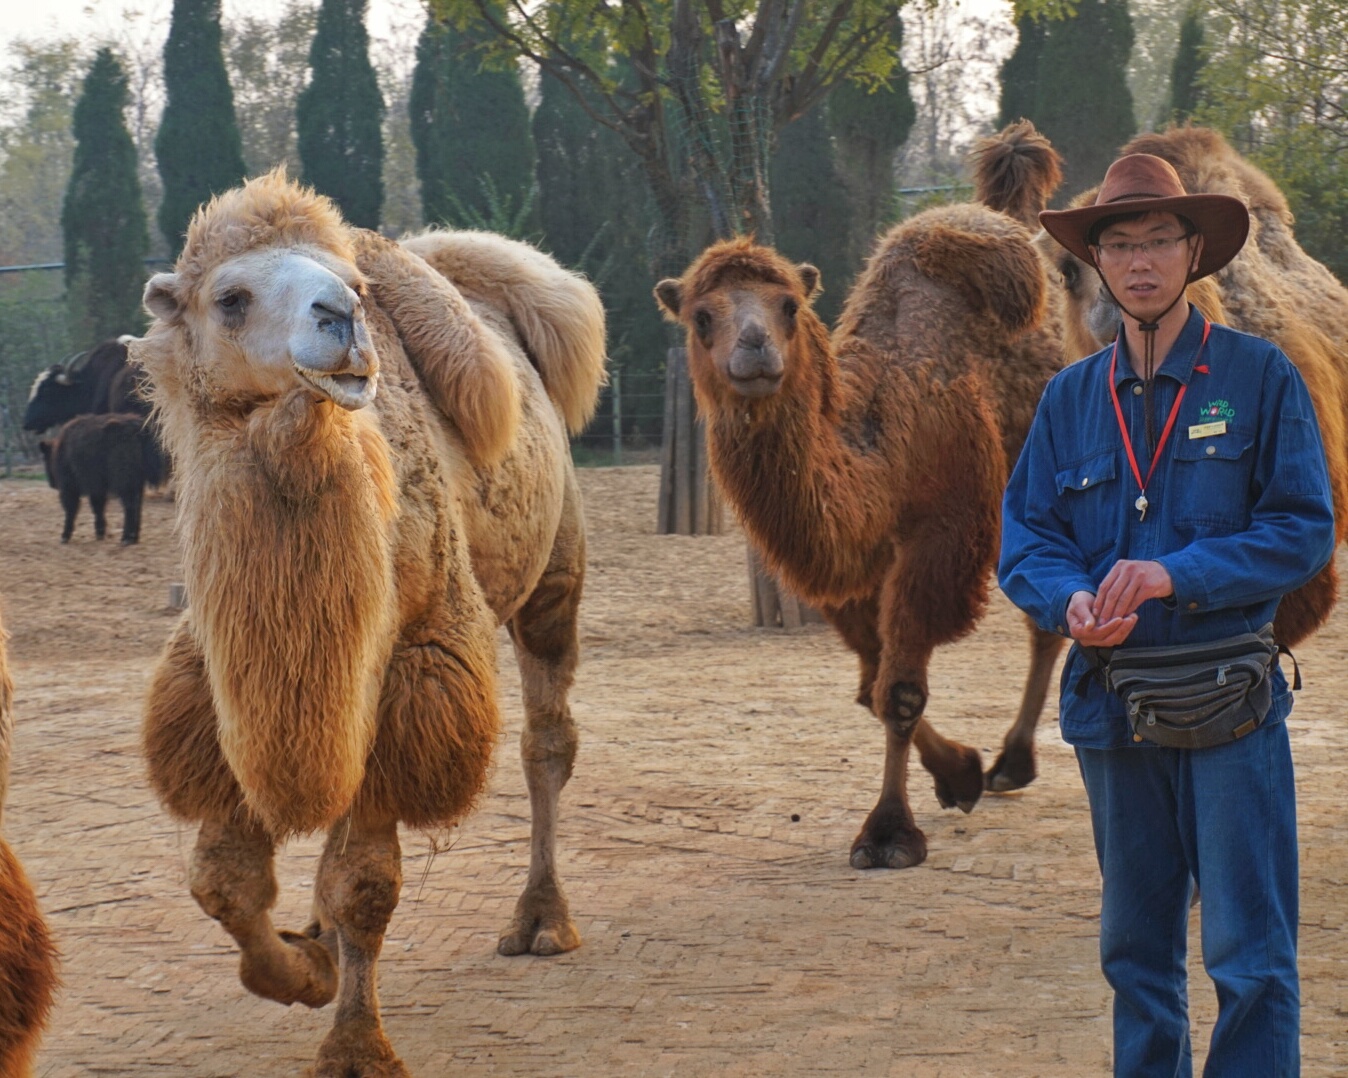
x,y
1173,488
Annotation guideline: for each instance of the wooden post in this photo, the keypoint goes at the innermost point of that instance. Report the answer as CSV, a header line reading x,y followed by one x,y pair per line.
x,y
616,396
690,504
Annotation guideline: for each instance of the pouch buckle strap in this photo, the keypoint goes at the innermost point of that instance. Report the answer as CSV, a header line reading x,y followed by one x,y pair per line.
x,y
1283,649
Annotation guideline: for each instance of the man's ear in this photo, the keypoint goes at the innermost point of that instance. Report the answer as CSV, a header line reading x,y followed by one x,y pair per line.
x,y
811,278
669,294
161,297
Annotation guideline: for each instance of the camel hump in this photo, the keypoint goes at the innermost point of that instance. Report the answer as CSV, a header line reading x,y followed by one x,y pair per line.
x,y
1016,171
557,313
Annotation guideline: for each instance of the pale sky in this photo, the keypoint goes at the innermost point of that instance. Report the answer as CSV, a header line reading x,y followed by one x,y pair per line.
x,y
103,18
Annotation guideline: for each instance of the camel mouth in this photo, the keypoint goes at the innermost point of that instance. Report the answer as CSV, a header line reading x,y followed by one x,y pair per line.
x,y
346,390
756,386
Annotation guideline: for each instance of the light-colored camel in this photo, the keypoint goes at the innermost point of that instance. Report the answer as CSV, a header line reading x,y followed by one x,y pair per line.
x,y
27,955
868,470
373,474
1272,288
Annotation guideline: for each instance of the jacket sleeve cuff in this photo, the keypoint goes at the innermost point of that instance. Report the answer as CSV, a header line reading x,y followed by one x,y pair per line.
x,y
1190,591
1060,601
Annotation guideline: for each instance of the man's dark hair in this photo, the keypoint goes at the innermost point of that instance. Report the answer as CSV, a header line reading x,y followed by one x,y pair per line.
x,y
1097,229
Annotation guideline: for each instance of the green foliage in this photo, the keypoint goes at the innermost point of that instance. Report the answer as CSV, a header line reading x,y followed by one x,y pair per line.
x,y
268,66
596,215
198,146
1020,74
470,124
810,208
36,149
103,220
1073,85
1184,73
340,114
1276,83
868,125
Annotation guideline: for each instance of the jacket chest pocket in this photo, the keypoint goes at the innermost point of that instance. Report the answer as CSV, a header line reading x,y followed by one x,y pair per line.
x,y
1210,482
1088,497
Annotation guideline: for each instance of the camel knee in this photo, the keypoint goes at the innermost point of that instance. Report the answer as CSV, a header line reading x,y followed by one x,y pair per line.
x,y
550,747
903,705
359,881
231,875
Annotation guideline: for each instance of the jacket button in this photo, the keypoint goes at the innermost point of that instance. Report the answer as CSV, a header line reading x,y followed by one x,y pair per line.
x,y
1137,392
1085,481
1193,606
1060,630
1137,737
1211,450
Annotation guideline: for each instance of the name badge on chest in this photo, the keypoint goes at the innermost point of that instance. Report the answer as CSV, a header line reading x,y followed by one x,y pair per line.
x,y
1207,430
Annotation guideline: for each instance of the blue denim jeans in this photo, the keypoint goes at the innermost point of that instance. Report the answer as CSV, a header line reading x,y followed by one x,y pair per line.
x,y
1224,817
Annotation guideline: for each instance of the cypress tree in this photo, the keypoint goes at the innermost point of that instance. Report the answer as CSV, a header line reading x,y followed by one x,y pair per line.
x,y
1020,74
868,127
103,220
339,115
809,206
197,147
1184,88
470,125
595,215
1069,76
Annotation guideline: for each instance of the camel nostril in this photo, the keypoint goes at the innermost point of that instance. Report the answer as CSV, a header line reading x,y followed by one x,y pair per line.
x,y
337,322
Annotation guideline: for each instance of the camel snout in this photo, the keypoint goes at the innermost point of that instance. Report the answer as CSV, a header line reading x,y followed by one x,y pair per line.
x,y
755,372
338,324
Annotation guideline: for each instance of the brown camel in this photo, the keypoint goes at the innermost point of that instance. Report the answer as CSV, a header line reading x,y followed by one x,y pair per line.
x,y
868,470
373,474
1272,289
27,956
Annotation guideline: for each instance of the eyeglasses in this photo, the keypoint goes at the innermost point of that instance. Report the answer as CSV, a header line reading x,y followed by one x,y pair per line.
x,y
1160,247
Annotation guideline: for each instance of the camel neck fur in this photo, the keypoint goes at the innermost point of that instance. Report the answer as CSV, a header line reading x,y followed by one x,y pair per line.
x,y
802,474
287,515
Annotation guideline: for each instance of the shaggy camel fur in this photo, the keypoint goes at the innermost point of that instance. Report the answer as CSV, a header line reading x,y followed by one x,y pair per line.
x,y
27,956
869,469
349,554
1272,289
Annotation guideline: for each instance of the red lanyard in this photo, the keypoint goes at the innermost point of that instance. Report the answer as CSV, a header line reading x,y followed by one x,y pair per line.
x,y
1141,503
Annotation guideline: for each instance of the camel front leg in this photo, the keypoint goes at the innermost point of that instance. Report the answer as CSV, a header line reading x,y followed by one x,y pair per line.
x,y
547,649
233,881
1015,767
359,881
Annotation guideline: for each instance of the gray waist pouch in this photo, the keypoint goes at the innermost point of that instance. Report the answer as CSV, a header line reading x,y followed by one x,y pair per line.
x,y
1192,696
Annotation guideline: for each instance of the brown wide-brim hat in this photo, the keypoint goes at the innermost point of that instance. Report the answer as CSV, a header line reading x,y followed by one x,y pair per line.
x,y
1144,183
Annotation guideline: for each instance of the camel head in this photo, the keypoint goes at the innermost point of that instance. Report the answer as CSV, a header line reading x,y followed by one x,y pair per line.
x,y
745,309
265,298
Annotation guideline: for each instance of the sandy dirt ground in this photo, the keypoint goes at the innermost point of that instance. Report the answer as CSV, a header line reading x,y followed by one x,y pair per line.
x,y
723,774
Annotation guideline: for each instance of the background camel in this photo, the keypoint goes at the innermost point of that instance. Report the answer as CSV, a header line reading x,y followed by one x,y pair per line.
x,y
1272,289
869,469
27,955
374,473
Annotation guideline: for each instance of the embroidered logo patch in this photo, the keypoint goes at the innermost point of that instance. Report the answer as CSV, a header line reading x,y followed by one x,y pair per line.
x,y
1214,410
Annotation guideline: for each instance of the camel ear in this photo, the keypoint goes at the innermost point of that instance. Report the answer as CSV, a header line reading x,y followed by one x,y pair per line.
x,y
669,294
161,297
997,275
811,278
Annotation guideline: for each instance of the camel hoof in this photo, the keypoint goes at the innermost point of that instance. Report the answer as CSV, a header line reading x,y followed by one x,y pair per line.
x,y
360,1053
1012,770
962,788
907,850
545,939
303,971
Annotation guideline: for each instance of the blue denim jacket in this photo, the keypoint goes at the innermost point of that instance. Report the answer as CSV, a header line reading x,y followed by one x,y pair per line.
x,y
1237,518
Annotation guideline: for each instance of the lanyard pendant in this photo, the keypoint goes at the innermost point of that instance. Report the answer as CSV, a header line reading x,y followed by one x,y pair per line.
x,y
1141,506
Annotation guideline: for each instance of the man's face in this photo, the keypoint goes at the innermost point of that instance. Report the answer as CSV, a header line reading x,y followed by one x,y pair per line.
x,y
1146,262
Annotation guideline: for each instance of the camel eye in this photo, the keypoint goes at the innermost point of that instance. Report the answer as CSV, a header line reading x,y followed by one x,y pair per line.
x,y
233,304
702,321
790,307
1070,274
